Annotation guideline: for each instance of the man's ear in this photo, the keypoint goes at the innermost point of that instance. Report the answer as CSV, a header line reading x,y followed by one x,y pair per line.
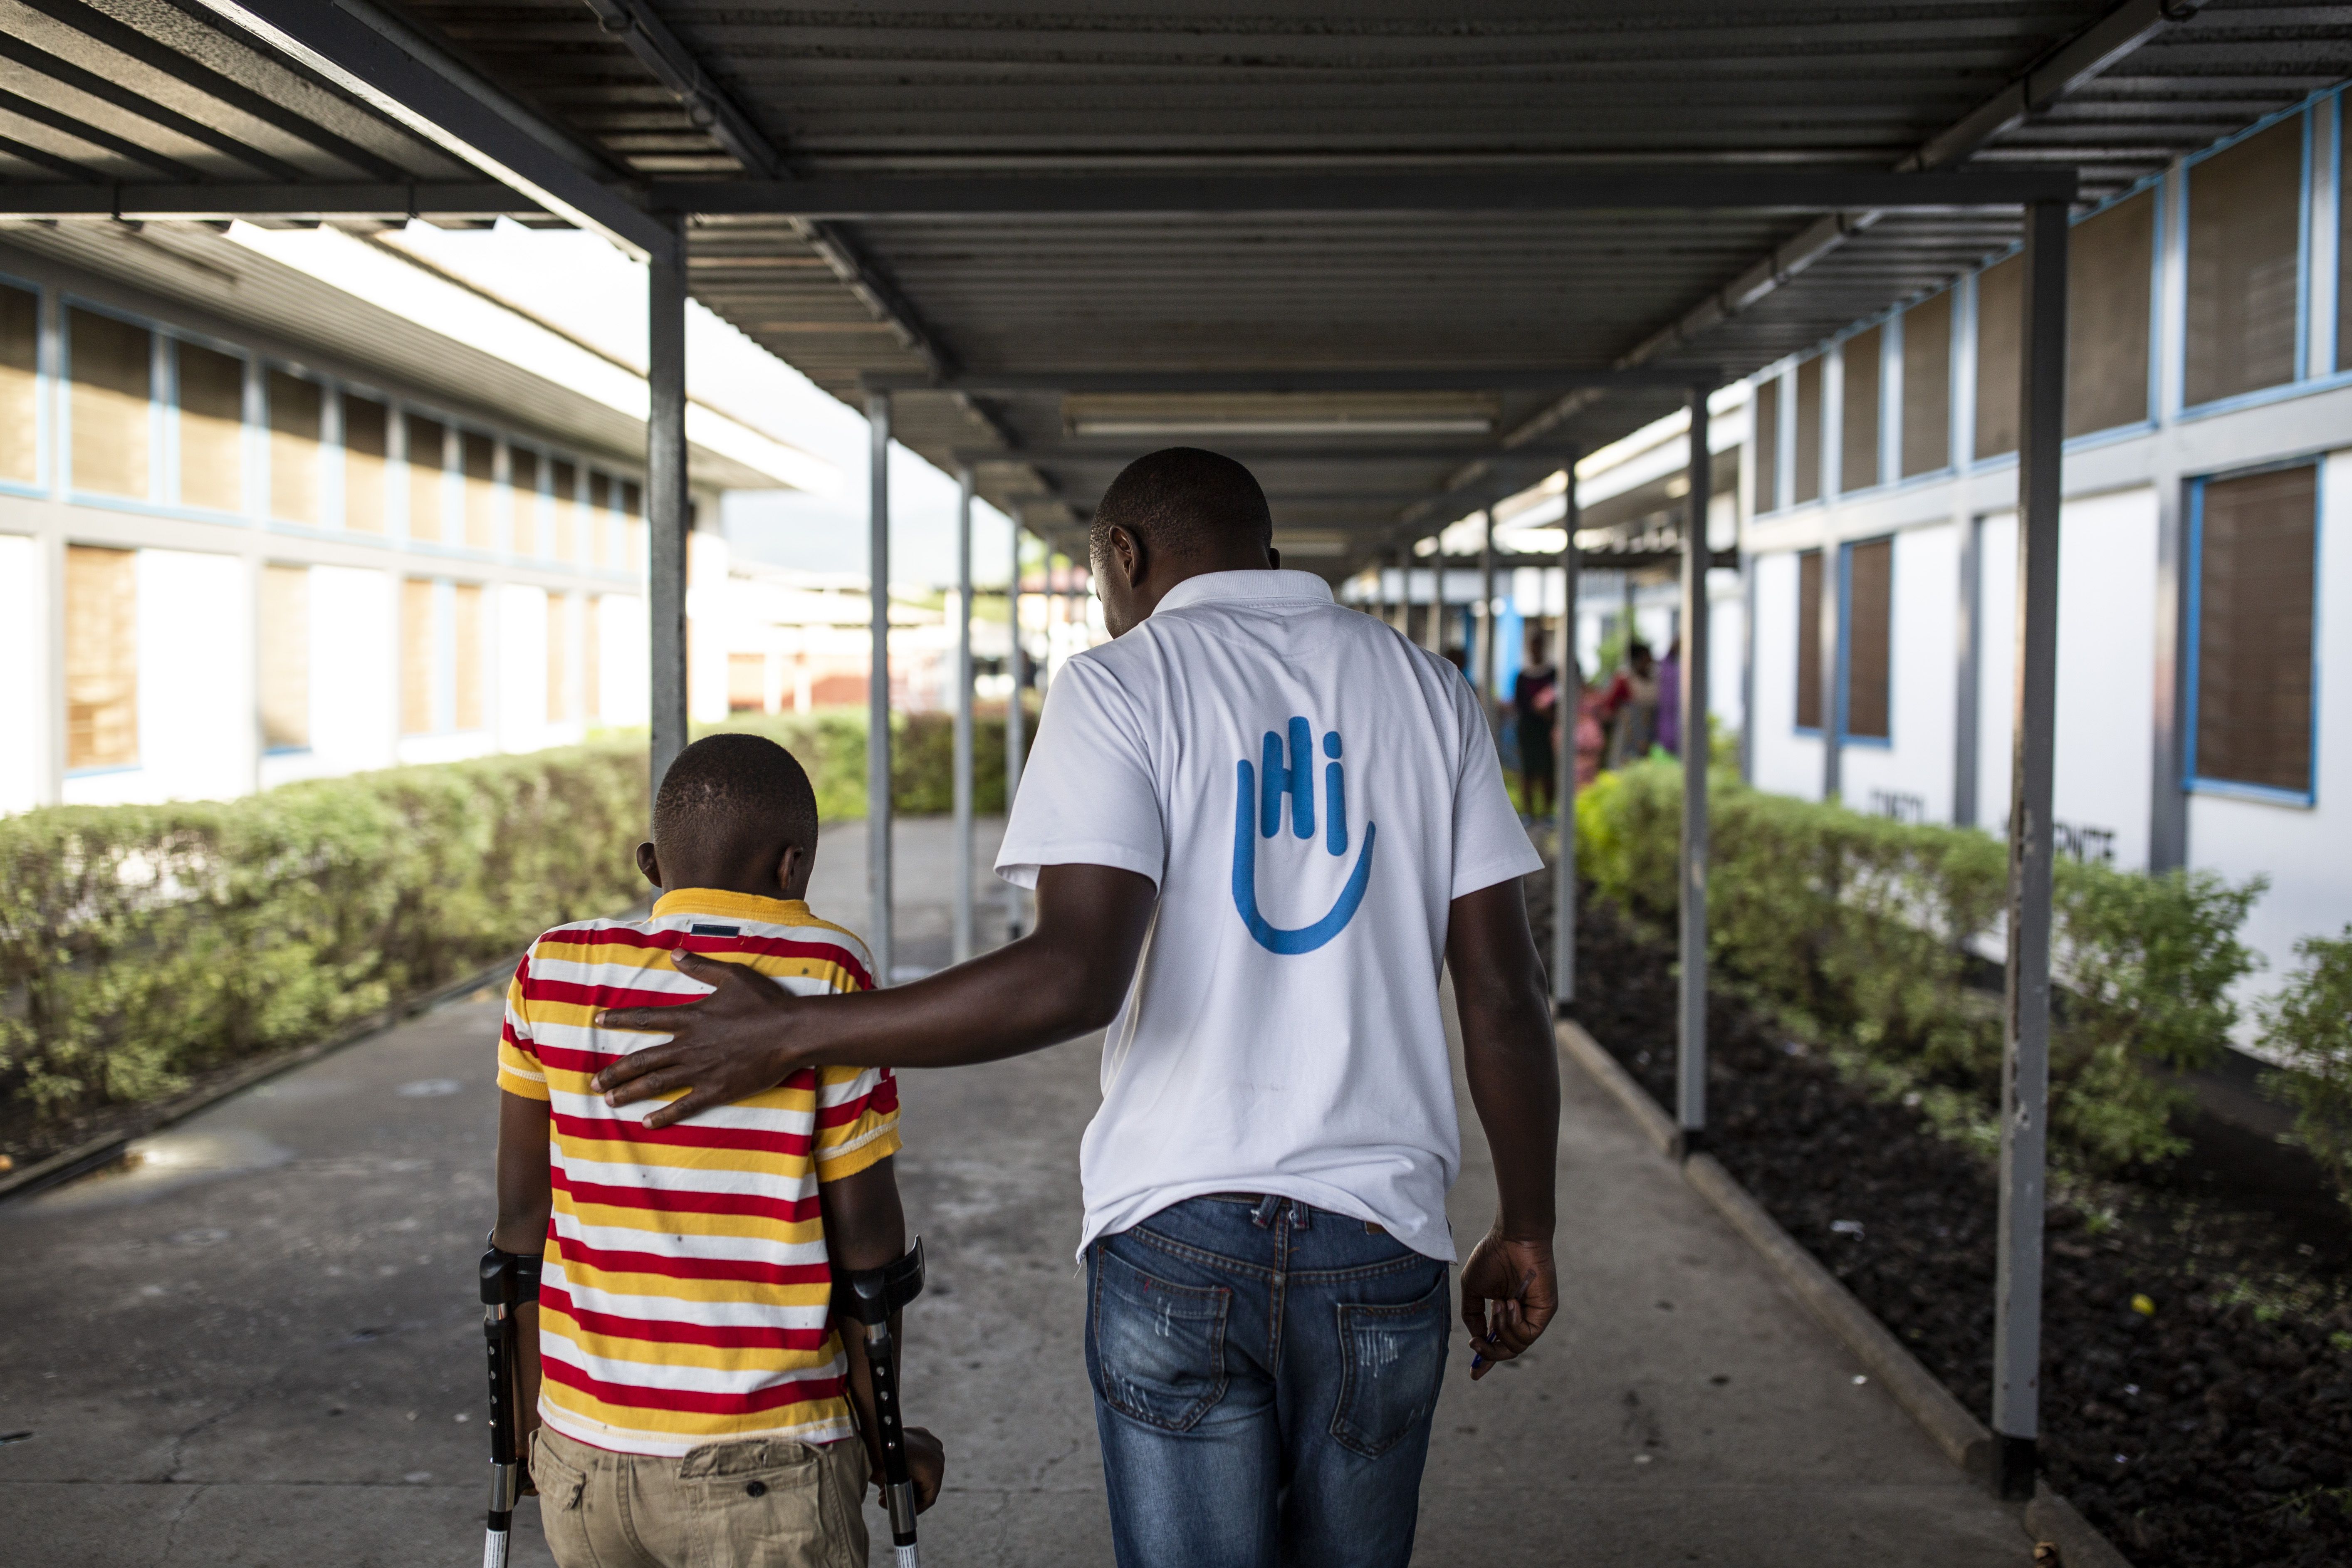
x,y
649,864
1129,555
1274,557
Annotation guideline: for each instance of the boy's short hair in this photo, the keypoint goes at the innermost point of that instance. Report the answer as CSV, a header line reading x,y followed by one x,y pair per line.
x,y
739,791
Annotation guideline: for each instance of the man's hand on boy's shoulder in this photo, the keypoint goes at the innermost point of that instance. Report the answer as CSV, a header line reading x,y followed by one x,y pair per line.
x,y
722,1048
927,1466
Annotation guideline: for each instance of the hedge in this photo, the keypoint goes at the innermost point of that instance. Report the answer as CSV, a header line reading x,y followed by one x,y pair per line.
x,y
142,944
2309,1025
1867,935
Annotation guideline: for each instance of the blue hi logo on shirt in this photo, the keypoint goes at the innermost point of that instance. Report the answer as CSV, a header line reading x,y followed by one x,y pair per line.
x,y
1261,806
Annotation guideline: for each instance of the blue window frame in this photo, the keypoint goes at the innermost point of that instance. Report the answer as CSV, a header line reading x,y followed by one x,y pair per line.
x,y
1865,668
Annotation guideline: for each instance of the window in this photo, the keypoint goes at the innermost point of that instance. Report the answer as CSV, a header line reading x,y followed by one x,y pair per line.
x,y
2343,260
419,637
297,409
2110,261
1808,639
366,426
558,658
113,364
1808,459
212,429
20,360
2246,223
1866,620
747,682
564,480
286,657
592,661
465,664
2001,314
2255,541
479,455
424,469
600,522
1927,385
1766,443
522,488
1858,418
633,524
101,657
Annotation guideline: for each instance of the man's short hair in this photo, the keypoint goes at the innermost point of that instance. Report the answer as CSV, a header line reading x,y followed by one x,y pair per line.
x,y
1184,501
729,792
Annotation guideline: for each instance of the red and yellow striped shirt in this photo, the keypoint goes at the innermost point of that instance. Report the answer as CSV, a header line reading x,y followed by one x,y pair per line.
x,y
687,1298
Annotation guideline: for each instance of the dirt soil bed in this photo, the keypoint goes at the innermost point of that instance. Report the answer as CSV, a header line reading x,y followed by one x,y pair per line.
x,y
2213,1431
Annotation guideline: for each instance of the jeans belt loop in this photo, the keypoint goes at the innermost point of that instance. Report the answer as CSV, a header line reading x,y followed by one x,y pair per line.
x,y
1267,1207
1302,1215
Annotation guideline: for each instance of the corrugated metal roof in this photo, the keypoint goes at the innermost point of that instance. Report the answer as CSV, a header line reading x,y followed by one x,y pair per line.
x,y
1167,86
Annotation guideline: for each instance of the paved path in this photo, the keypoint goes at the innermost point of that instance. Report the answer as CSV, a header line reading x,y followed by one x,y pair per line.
x,y
259,1347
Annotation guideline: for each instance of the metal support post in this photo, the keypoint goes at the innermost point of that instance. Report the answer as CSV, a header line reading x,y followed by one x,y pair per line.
x,y
1690,1073
1486,665
1831,633
2025,1077
877,691
1967,696
1570,685
665,501
1015,716
963,893
1432,630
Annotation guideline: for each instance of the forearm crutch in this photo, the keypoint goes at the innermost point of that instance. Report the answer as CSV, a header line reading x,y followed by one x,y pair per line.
x,y
870,1296
508,1280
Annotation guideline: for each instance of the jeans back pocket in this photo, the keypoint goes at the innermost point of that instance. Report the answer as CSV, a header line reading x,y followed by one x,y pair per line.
x,y
1160,1349
1393,1360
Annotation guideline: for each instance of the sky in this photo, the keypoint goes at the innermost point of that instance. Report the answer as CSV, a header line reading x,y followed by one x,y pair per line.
x,y
578,282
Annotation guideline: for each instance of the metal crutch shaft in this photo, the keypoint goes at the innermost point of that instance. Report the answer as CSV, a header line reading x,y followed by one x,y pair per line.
x,y
507,1279
870,1296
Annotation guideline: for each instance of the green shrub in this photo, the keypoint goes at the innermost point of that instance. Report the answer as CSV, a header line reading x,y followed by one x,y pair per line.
x,y
1861,932
832,747
2310,1023
139,944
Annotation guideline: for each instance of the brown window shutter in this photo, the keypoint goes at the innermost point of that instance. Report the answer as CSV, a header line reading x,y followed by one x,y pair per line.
x,y
1927,385
1868,629
522,501
480,455
297,411
2256,543
563,479
1858,420
424,469
20,359
2245,222
101,657
366,426
1767,442
1999,324
112,383
1808,459
212,429
1808,639
2110,266
600,521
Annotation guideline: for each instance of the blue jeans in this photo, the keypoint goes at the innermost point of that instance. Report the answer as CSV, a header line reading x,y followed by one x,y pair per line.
x,y
1264,1373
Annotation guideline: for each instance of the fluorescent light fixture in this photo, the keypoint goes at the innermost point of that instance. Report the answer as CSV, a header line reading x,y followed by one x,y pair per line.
x,y
1336,426
1368,413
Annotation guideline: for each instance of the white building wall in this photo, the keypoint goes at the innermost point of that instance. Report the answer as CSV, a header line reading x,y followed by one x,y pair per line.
x,y
518,712
24,653
354,676
1785,762
622,630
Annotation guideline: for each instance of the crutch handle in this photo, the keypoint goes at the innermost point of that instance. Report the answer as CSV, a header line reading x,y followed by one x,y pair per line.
x,y
870,1296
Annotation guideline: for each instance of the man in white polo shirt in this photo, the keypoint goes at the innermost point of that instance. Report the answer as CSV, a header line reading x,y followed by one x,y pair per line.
x,y
1257,825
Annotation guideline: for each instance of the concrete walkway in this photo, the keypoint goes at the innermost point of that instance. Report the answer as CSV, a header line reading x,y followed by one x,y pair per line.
x,y
259,1348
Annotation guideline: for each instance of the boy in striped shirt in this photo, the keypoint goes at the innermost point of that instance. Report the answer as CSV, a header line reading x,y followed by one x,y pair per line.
x,y
694,1401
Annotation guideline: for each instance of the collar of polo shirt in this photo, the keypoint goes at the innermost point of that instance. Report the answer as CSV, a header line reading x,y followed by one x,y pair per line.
x,y
1267,584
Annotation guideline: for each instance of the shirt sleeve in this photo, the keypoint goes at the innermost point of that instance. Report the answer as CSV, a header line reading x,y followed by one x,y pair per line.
x,y
1489,844
1087,794
856,1119
519,1070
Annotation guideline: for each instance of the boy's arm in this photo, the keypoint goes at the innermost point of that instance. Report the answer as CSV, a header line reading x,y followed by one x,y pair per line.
x,y
865,1227
525,1197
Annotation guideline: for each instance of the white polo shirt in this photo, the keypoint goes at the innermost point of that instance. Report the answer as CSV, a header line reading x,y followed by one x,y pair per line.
x,y
1309,792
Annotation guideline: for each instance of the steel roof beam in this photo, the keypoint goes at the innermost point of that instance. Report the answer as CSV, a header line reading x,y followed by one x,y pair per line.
x,y
90,198
1765,187
387,65
1466,378
67,74
1364,449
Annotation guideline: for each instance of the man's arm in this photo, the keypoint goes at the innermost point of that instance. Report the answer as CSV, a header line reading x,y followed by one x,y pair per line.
x,y
525,1196
1509,1287
1064,979
865,1227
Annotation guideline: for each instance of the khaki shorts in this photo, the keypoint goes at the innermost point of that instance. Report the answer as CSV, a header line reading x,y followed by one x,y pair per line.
x,y
765,1503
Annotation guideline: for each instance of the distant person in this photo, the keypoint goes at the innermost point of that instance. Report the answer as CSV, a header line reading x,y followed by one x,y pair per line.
x,y
1535,701
1670,699
1630,707
1304,815
682,1368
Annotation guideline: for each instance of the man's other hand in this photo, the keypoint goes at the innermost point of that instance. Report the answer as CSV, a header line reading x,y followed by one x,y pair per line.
x,y
927,1466
727,1045
1509,1292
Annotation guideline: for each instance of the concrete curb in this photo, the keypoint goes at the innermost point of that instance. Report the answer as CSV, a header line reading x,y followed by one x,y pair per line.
x,y
82,1158
1965,1440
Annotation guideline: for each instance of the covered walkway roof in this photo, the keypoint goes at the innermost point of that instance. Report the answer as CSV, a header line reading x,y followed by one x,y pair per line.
x,y
1402,257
